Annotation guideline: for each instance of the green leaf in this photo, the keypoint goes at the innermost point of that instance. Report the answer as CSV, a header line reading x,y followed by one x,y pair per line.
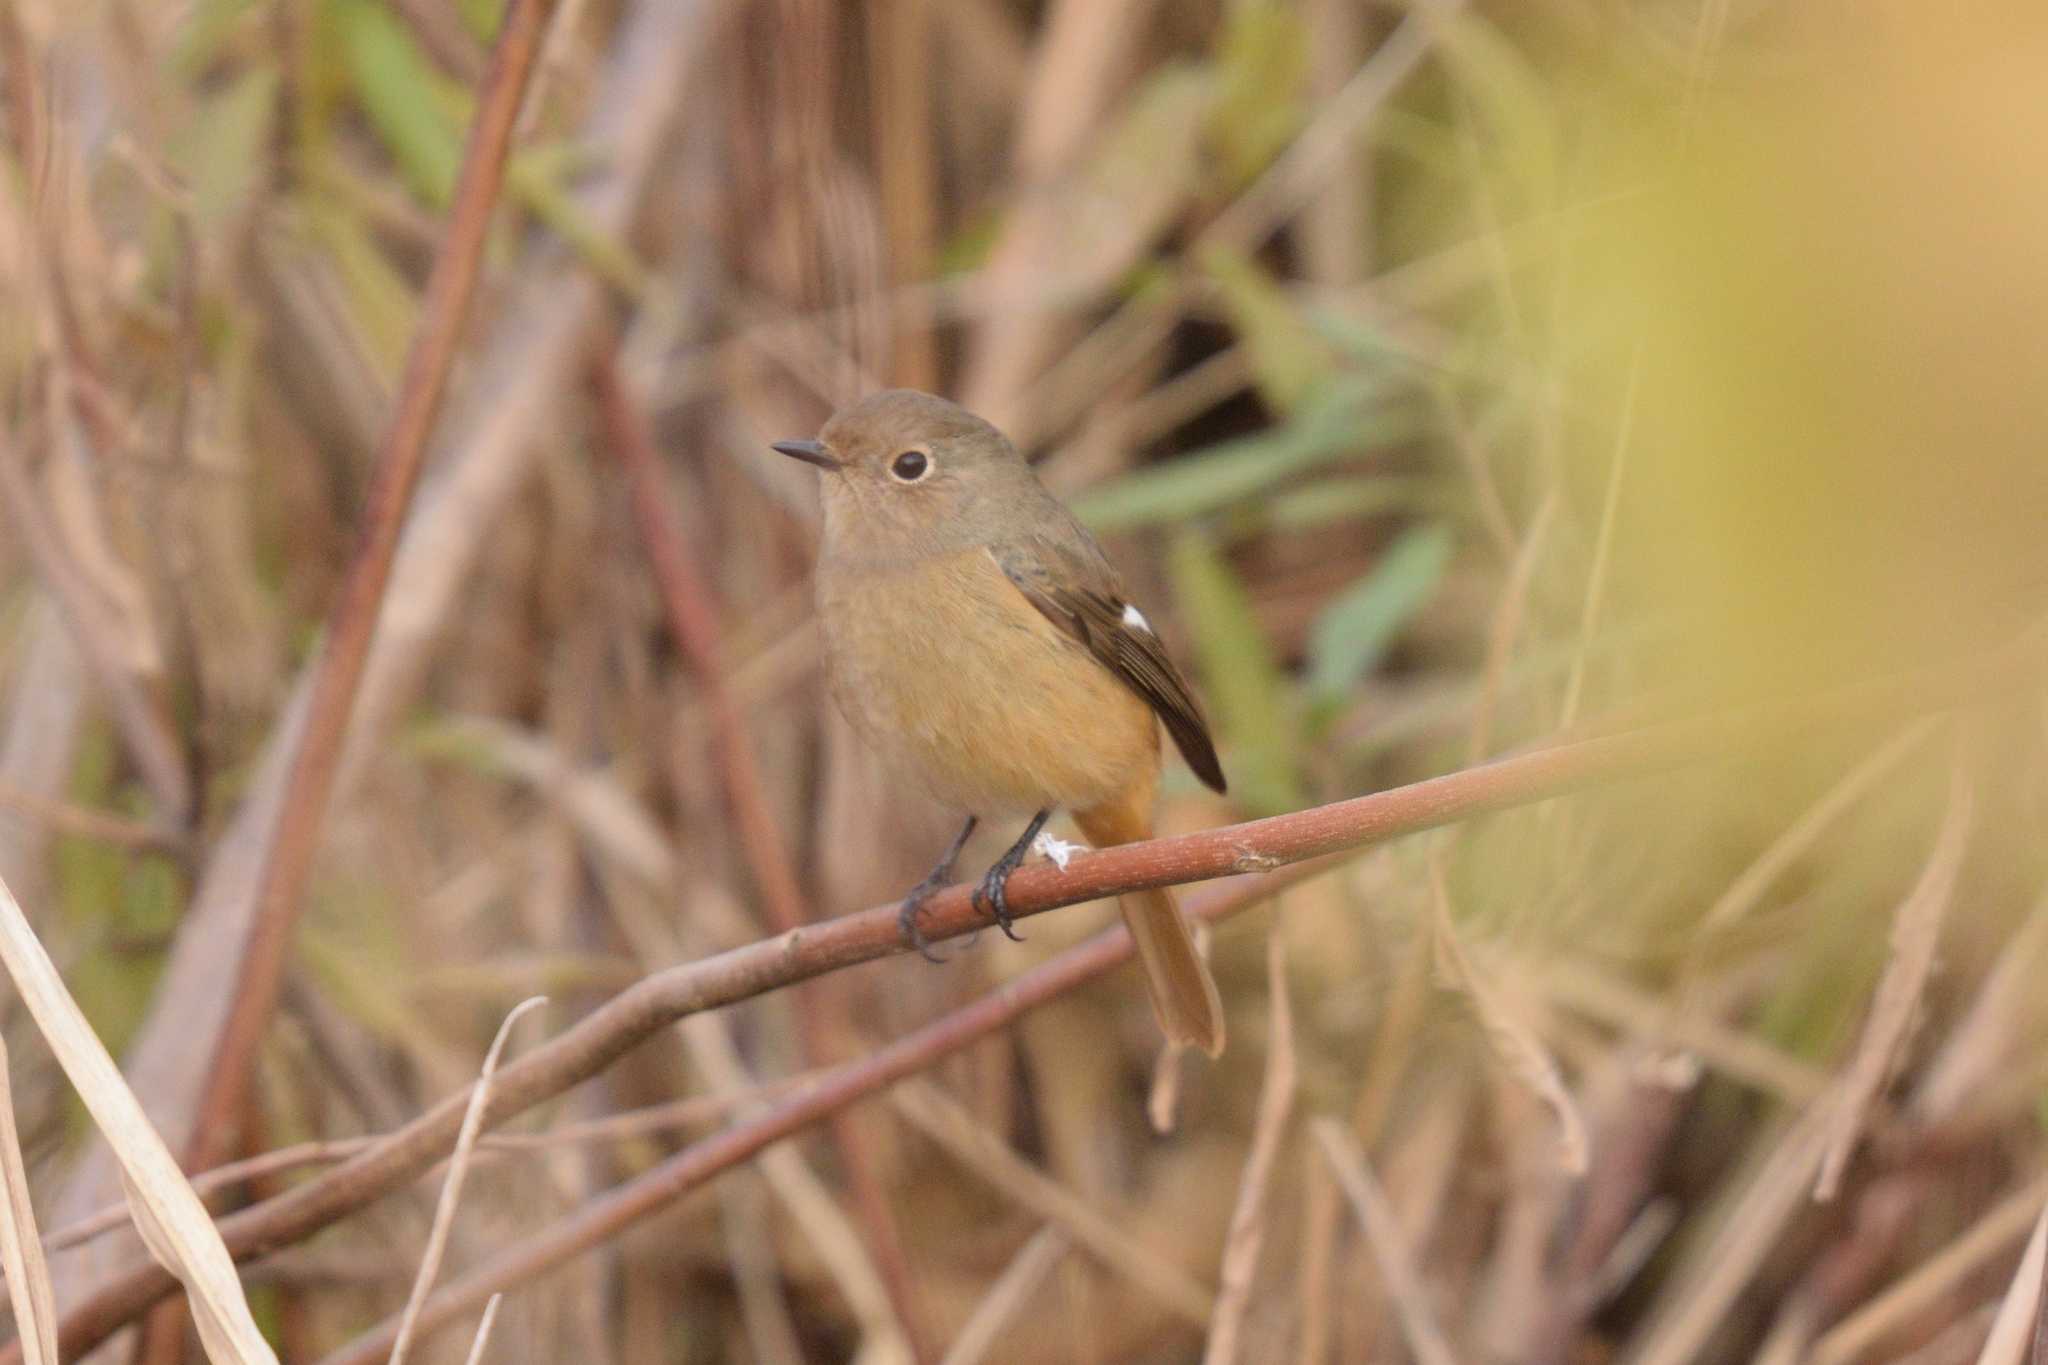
x,y
482,17
1263,64
1361,497
420,116
535,178
379,300
1361,340
1242,681
204,33
1353,631
1509,97
1289,361
1347,417
219,154
406,100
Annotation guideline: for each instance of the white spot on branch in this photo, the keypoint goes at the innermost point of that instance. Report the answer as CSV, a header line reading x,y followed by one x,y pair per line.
x,y
1059,850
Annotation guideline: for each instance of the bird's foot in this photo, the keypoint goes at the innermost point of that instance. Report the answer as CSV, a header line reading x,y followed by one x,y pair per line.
x,y
993,894
913,906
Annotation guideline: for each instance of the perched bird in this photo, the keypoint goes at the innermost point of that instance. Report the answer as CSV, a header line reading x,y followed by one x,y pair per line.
x,y
977,638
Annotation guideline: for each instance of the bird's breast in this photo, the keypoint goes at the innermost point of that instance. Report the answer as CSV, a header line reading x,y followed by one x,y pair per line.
x,y
955,678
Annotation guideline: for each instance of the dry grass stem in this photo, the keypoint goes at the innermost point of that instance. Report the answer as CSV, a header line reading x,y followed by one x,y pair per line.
x,y
1603,545
451,1186
63,817
483,1331
1799,837
173,1223
808,1200
696,1111
1992,1235
1510,1037
1506,628
1723,1262
21,1251
1007,1297
141,720
1978,1052
1586,989
1916,933
2011,1341
1077,1218
1248,1218
1390,1250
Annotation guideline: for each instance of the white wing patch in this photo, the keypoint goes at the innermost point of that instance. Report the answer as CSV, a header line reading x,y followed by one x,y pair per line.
x,y
1136,619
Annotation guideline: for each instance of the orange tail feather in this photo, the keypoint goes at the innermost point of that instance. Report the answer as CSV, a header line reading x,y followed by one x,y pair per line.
x,y
1183,993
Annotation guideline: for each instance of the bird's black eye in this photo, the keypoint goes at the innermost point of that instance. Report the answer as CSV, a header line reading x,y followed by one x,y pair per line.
x,y
910,466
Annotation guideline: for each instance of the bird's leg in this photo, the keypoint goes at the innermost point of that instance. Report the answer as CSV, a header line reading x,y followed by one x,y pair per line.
x,y
992,886
913,903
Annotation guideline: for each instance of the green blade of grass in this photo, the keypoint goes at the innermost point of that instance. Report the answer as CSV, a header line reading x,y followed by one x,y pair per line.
x,y
1354,630
1347,417
1245,687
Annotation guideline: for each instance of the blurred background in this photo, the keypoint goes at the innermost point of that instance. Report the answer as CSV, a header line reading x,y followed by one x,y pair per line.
x,y
1444,379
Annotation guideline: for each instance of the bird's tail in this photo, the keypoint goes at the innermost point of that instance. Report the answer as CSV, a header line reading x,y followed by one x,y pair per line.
x,y
1183,993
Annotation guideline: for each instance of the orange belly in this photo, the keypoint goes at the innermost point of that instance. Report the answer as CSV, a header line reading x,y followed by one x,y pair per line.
x,y
959,682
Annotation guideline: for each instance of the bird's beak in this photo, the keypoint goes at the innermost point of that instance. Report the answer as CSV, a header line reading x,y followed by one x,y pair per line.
x,y
810,452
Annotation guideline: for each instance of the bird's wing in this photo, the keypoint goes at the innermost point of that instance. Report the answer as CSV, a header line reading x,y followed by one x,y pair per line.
x,y
1079,592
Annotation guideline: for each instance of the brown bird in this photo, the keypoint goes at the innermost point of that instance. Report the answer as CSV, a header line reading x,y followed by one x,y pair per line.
x,y
977,638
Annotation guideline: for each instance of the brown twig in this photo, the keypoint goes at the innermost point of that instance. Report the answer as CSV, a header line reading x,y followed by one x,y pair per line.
x,y
604,1218
1260,845
288,861
83,822
695,1111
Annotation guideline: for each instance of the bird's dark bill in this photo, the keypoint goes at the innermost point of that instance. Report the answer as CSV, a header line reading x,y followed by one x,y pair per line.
x,y
810,452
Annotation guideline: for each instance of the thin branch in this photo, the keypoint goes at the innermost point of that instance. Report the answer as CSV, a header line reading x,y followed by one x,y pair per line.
x,y
83,822
1258,846
289,860
694,1111
606,1217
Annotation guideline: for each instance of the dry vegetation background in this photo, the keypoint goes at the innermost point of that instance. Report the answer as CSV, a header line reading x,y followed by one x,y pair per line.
x,y
1448,380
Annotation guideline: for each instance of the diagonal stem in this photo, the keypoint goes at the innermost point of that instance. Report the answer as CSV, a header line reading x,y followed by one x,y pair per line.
x,y
289,860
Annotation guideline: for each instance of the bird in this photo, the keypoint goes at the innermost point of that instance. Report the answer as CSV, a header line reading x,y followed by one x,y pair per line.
x,y
978,639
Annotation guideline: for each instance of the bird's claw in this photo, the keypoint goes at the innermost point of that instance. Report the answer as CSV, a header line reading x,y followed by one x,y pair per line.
x,y
993,896
906,921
